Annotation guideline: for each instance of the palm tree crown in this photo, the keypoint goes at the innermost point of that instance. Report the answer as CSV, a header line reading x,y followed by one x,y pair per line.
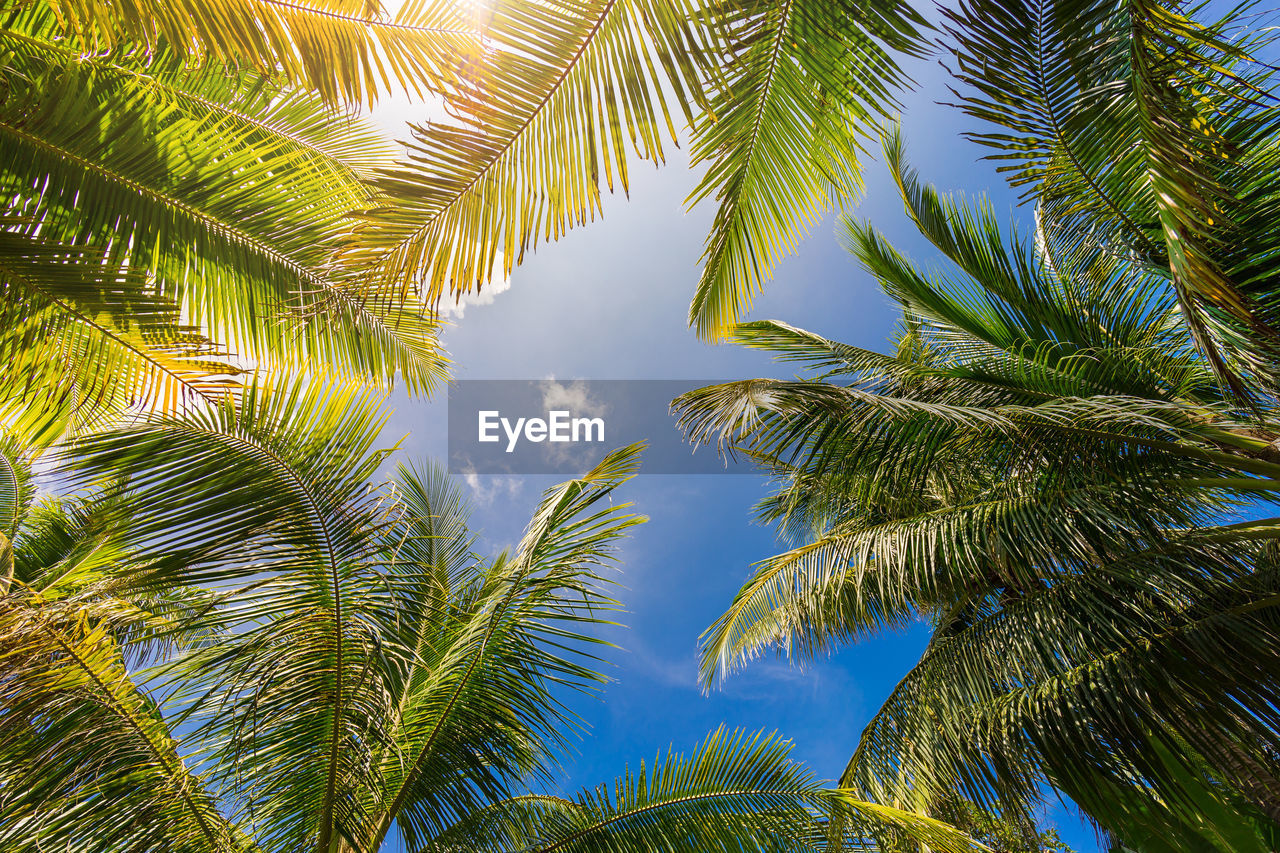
x,y
1060,463
189,194
234,641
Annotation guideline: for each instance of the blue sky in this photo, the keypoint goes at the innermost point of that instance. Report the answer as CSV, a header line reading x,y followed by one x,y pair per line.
x,y
610,301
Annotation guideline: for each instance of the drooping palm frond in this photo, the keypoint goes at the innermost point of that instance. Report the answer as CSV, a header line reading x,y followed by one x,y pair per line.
x,y
370,671
1142,130
1047,452
88,760
556,94
875,552
344,50
735,792
168,226
1020,374
803,81
310,446
69,548
265,503
63,550
84,342
560,95
1072,682
566,94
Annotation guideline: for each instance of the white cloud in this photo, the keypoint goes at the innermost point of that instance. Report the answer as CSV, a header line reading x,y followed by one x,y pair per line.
x,y
572,396
455,310
488,489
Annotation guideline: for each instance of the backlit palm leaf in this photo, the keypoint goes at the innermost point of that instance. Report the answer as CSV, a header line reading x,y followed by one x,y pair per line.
x,y
85,342
187,219
803,79
1046,468
565,94
15,499
560,95
344,50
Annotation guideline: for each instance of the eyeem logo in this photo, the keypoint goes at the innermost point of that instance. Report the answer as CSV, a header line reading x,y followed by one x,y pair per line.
x,y
504,427
559,426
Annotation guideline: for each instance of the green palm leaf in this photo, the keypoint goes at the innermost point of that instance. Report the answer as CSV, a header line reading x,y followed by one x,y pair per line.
x,y
476,692
344,50
1020,692
1143,130
87,758
779,136
206,203
561,94
85,342
735,791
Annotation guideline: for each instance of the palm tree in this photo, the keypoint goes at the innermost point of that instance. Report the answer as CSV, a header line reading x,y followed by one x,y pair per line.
x,y
169,226
1047,469
543,97
224,637
1061,464
190,194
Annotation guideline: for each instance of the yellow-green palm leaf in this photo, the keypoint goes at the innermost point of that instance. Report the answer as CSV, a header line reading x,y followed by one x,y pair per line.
x,y
803,79
344,50
169,226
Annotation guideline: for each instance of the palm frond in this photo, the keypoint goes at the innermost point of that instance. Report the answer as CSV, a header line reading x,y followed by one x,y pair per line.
x,y
266,501
345,50
1046,451
823,356
475,701
87,758
1072,682
16,493
369,670
802,80
1143,131
85,342
735,791
561,93
222,194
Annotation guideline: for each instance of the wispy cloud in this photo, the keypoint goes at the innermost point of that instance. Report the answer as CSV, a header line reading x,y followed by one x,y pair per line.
x,y
762,680
679,673
455,309
572,396
485,490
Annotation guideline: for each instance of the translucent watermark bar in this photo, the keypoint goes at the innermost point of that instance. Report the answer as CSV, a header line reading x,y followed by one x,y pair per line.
x,y
565,426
